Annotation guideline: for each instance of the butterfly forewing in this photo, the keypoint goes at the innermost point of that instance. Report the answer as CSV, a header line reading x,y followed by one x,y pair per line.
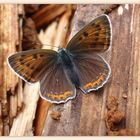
x,y
95,36
31,65
92,69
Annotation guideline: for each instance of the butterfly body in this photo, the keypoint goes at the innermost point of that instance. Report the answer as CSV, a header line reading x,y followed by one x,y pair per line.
x,y
78,66
69,67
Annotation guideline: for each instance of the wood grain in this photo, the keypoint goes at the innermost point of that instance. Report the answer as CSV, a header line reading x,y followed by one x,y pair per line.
x,y
22,125
23,121
9,40
47,14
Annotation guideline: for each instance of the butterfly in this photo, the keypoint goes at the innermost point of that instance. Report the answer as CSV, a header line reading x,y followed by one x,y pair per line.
x,y
77,67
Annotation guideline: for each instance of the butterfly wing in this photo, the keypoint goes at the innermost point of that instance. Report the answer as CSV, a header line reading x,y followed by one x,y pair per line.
x,y
41,65
93,70
95,36
31,65
56,86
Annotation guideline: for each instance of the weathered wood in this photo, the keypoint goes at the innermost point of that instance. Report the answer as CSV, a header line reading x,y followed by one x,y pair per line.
x,y
86,114
131,69
23,123
1,122
30,37
62,31
31,9
13,106
48,13
41,113
9,39
19,95
47,37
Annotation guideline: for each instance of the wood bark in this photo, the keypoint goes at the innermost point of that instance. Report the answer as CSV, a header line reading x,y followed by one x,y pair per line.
x,y
89,114
23,123
13,120
9,40
48,13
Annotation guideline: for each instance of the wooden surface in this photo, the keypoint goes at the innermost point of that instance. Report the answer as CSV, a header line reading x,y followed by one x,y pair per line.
x,y
15,119
10,93
114,109
23,122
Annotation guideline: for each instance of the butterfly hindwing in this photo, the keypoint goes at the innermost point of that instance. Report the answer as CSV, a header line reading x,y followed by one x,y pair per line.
x,y
95,36
56,86
92,69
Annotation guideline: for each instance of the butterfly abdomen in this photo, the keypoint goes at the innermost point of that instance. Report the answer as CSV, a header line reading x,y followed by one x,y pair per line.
x,y
69,67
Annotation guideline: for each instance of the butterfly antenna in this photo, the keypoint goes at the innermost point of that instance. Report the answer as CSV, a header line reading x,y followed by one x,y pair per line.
x,y
46,45
82,90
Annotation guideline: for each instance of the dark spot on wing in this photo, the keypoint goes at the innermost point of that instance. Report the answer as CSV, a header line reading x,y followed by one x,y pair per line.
x,y
21,62
85,34
32,67
21,59
80,38
98,27
96,34
96,38
93,24
27,64
41,55
35,56
23,55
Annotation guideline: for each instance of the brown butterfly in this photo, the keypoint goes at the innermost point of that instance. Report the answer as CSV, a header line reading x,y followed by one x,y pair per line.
x,y
79,66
